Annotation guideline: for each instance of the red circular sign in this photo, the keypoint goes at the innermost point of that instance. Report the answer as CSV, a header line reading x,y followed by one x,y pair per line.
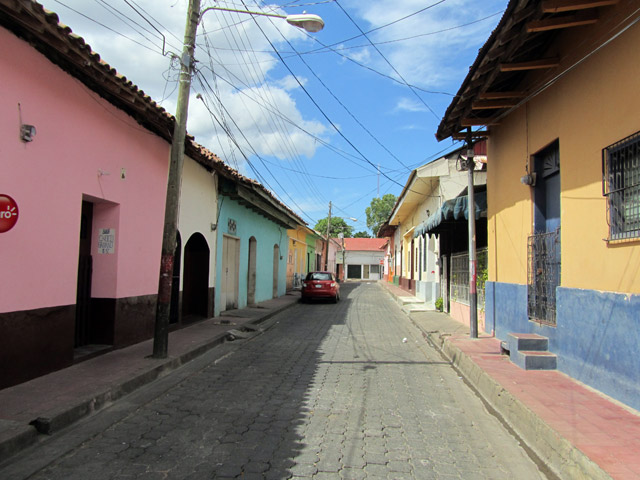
x,y
8,213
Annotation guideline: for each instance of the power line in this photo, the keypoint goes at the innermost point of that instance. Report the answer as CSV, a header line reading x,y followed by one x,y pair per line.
x,y
324,114
375,139
275,122
258,175
387,61
364,34
106,27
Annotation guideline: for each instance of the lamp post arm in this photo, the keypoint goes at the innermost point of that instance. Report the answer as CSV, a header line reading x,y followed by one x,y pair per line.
x,y
307,21
262,14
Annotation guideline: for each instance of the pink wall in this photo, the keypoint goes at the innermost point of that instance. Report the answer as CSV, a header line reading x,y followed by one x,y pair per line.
x,y
462,313
78,134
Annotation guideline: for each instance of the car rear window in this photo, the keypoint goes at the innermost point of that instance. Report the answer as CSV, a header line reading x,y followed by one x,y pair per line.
x,y
319,276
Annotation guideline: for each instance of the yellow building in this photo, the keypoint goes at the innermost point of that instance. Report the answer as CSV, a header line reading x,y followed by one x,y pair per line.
x,y
558,92
302,254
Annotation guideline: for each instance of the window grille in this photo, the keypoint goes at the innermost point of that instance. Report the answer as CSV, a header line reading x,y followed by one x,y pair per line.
x,y
543,274
459,285
621,186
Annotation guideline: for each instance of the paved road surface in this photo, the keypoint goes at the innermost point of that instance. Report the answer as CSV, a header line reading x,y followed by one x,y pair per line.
x,y
328,392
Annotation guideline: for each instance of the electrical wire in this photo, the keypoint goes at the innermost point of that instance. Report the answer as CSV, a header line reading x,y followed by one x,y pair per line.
x,y
275,122
387,60
346,109
321,110
106,27
246,157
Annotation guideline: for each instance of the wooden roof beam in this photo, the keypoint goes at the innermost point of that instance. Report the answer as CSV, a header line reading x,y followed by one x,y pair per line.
x,y
480,134
566,21
498,95
493,104
477,122
557,6
532,65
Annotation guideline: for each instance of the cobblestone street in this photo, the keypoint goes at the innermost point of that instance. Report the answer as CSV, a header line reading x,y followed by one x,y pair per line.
x,y
327,392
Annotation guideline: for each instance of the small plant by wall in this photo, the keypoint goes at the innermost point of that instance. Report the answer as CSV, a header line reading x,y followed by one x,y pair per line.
x,y
439,304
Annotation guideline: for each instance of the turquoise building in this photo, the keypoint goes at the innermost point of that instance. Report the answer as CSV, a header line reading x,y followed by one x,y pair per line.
x,y
252,244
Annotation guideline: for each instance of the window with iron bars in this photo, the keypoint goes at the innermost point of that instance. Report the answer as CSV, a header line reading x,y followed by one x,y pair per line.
x,y
459,286
621,186
543,272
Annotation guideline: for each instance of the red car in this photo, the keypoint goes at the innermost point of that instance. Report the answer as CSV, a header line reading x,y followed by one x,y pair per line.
x,y
320,285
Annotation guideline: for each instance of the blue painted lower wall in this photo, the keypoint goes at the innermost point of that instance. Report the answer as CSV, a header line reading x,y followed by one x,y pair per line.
x,y
597,337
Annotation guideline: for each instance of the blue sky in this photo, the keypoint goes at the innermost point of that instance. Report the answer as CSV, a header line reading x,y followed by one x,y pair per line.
x,y
313,121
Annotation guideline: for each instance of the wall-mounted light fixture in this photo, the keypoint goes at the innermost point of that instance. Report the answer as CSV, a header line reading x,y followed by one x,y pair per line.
x,y
214,226
27,132
528,179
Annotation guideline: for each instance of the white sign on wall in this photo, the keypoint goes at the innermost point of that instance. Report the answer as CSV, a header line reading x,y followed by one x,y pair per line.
x,y
107,240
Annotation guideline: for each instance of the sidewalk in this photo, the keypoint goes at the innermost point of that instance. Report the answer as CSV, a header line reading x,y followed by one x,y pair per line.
x,y
51,402
575,430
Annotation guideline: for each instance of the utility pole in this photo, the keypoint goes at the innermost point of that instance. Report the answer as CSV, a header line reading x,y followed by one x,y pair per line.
x,y
308,22
174,183
473,294
326,247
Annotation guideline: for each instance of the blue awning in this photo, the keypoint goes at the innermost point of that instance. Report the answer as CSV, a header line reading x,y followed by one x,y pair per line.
x,y
451,210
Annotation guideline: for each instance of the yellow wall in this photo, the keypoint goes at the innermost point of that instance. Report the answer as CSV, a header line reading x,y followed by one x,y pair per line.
x,y
591,107
297,252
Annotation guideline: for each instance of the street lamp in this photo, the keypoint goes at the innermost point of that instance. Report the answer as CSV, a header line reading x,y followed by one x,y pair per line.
x,y
308,22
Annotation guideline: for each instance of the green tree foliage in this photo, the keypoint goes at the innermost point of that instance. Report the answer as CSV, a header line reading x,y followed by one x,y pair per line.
x,y
338,225
362,234
379,211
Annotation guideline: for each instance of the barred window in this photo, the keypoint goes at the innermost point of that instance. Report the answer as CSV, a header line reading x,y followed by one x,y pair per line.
x,y
621,186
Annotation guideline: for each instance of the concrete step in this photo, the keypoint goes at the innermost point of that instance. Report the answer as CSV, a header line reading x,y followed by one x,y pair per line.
x,y
527,341
535,360
417,307
409,300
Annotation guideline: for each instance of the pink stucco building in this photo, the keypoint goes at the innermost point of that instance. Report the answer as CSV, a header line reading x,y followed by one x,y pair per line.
x,y
81,264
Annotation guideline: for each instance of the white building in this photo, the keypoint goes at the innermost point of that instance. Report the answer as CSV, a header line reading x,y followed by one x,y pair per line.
x,y
363,258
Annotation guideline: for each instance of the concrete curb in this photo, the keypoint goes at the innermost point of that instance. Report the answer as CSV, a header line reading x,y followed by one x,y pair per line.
x,y
562,457
558,453
15,436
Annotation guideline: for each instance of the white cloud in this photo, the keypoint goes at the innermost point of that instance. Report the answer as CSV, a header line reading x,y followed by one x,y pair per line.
x,y
427,59
289,83
232,45
405,104
262,119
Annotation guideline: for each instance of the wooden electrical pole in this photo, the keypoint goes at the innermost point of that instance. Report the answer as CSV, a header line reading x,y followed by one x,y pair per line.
x,y
174,183
326,247
473,294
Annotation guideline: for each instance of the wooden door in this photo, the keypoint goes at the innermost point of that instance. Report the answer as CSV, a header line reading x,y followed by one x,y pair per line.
x,y
230,265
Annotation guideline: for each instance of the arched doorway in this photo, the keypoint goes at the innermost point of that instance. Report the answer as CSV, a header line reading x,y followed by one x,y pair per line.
x,y
276,266
195,290
174,308
251,278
